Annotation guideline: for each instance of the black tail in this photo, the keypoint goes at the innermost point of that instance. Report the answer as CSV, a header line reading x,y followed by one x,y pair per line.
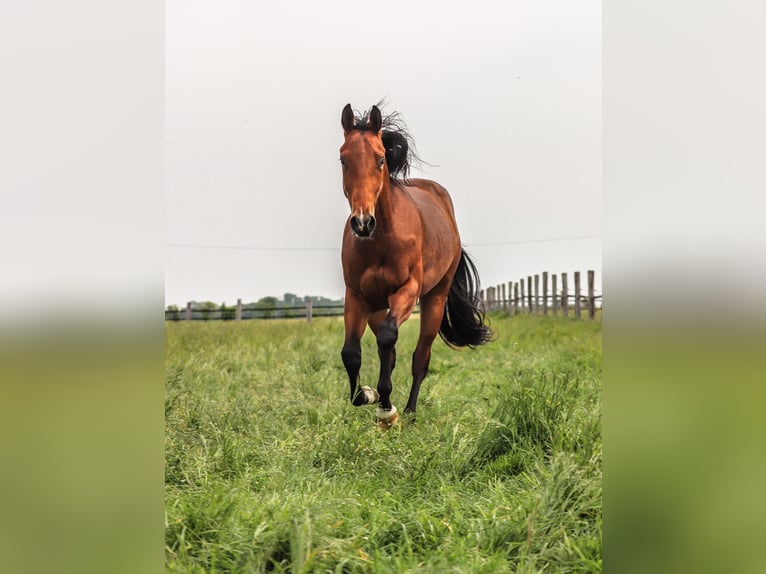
x,y
464,323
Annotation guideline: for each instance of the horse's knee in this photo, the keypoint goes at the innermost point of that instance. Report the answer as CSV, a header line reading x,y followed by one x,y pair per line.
x,y
388,332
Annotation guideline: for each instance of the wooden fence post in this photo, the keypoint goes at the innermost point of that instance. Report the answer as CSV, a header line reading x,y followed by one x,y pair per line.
x,y
537,294
529,292
555,299
577,294
564,295
545,293
521,289
591,295
524,297
238,312
505,301
514,289
188,311
309,309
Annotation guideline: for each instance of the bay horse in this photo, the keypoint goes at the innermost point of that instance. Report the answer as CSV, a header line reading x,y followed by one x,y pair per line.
x,y
400,244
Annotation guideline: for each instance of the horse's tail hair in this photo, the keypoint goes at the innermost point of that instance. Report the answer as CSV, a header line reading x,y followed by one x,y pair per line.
x,y
464,323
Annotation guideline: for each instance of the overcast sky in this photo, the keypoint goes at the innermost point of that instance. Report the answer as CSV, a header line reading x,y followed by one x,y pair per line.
x,y
502,99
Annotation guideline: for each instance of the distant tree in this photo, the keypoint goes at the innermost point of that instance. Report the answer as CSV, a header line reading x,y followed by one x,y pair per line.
x,y
228,313
266,306
172,313
321,305
207,308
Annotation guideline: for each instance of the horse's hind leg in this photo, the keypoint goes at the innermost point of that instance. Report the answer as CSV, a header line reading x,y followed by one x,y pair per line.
x,y
431,312
355,321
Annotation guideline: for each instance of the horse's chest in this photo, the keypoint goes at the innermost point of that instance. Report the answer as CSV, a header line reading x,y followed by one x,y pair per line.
x,y
379,280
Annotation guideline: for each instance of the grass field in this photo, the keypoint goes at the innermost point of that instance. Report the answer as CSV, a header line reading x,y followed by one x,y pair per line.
x,y
270,469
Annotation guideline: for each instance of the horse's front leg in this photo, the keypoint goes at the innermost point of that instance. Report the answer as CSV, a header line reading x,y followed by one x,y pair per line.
x,y
355,320
401,305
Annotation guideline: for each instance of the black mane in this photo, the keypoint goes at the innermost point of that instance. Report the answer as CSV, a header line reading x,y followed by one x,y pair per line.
x,y
400,147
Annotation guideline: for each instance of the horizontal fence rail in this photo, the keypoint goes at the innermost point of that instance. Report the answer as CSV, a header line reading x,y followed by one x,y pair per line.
x,y
511,297
538,300
243,313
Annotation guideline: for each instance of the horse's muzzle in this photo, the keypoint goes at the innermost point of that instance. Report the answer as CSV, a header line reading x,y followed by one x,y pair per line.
x,y
362,226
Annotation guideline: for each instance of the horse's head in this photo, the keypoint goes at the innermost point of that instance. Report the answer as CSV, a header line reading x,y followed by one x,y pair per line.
x,y
363,160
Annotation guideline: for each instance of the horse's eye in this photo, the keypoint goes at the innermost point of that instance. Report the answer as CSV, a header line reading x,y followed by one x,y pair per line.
x,y
381,161
343,162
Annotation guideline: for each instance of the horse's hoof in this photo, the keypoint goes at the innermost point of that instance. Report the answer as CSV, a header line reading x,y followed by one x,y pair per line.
x,y
387,419
371,396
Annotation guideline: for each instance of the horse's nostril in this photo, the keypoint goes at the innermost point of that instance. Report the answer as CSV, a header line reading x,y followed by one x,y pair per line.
x,y
362,226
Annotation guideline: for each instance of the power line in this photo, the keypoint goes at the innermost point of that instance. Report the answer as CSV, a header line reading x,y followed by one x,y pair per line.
x,y
337,248
249,247
545,240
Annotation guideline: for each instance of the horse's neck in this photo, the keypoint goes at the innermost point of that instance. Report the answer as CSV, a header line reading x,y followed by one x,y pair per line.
x,y
385,206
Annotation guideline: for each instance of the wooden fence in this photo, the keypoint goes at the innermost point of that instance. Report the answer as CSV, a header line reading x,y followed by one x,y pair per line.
x,y
513,298
239,313
510,297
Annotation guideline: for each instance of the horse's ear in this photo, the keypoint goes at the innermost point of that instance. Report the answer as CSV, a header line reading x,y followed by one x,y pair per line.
x,y
347,118
376,120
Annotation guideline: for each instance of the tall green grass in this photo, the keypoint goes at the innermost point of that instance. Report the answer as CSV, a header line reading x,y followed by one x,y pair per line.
x,y
270,469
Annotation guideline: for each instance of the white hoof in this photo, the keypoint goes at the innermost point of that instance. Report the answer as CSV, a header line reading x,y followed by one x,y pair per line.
x,y
387,419
371,396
